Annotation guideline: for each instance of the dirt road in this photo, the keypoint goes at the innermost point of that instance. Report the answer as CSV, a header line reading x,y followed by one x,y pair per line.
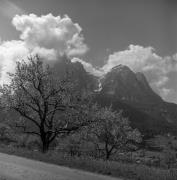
x,y
17,168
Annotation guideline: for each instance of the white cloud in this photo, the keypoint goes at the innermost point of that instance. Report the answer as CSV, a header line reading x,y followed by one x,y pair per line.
x,y
136,57
10,52
50,32
48,54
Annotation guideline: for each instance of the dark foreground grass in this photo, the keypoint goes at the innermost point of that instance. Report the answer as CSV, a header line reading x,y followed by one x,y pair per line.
x,y
116,169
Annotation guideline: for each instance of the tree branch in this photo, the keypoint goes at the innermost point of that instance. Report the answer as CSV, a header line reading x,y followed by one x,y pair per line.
x,y
32,132
26,116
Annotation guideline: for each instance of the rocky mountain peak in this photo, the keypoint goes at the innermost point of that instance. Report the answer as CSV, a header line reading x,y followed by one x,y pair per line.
x,y
121,70
126,85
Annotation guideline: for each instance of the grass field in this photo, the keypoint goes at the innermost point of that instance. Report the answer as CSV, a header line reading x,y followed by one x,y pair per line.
x,y
112,168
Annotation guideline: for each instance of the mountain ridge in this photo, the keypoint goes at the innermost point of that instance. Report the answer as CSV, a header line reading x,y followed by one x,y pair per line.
x,y
126,90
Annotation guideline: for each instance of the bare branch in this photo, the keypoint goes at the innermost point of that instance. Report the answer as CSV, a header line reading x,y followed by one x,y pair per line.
x,y
32,132
26,116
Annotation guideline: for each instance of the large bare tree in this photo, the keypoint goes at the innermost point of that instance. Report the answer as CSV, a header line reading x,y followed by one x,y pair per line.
x,y
48,106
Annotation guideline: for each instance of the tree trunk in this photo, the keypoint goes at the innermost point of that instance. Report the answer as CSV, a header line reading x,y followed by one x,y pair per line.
x,y
107,155
107,151
45,147
45,143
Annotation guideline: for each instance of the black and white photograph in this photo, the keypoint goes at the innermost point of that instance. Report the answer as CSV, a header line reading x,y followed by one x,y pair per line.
x,y
88,89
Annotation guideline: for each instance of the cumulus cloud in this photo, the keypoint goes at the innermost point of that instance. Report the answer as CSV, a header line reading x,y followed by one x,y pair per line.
x,y
48,54
48,36
144,59
50,32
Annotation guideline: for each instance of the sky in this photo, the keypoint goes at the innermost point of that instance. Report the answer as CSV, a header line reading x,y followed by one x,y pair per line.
x,y
98,33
